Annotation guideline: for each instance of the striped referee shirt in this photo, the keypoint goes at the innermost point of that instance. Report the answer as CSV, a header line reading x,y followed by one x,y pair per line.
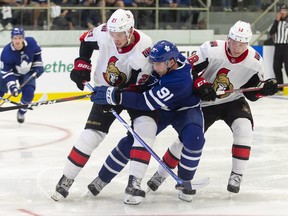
x,y
279,31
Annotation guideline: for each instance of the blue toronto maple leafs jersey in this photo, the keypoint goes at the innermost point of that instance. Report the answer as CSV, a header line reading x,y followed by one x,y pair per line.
x,y
173,91
20,62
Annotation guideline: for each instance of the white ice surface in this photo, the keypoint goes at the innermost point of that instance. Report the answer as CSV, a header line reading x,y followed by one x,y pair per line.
x,y
33,155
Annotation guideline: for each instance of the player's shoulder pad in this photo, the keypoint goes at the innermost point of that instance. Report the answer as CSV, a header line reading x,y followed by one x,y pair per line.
x,y
30,40
92,32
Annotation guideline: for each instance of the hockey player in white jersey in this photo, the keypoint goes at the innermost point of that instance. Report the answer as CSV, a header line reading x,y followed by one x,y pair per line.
x,y
226,65
123,61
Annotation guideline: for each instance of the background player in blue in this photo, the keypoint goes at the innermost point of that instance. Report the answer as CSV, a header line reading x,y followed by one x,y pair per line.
x,y
172,95
19,60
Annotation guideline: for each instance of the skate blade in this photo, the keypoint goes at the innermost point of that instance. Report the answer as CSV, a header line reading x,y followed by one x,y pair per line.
x,y
87,194
185,197
148,190
132,200
57,196
231,195
197,184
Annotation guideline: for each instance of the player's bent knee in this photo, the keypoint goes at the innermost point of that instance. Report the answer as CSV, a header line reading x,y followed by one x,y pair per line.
x,y
125,145
89,140
27,94
242,131
193,137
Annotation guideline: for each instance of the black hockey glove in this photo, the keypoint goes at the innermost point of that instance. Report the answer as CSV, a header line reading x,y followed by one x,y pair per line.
x,y
81,72
204,89
269,87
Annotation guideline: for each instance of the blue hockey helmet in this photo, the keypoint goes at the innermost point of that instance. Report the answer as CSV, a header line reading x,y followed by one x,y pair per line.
x,y
17,31
163,51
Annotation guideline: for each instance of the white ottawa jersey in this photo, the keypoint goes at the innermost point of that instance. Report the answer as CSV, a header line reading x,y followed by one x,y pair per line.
x,y
226,72
114,66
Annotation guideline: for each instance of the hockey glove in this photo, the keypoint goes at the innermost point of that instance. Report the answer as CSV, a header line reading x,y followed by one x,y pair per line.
x,y
204,89
13,88
81,72
269,87
105,95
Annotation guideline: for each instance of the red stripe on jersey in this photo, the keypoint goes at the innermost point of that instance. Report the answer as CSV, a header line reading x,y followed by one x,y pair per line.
x,y
83,36
170,160
241,152
140,154
131,45
233,60
78,158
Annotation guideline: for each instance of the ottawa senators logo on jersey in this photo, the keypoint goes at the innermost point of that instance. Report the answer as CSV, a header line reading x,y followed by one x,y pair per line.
x,y
222,82
113,76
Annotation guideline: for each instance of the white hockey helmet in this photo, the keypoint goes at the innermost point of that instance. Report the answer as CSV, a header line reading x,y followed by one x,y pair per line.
x,y
121,21
241,32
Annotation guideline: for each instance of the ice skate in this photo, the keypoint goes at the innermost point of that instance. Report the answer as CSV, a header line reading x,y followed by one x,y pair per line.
x,y
155,182
62,188
234,182
96,186
133,192
185,191
20,117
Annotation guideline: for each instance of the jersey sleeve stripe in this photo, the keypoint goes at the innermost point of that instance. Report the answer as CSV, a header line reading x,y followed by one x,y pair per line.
x,y
148,102
156,99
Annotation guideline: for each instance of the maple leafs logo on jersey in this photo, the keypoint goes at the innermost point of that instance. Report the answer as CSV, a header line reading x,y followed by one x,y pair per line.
x,y
25,65
113,76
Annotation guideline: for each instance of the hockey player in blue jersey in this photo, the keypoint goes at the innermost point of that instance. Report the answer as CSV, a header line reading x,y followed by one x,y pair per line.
x,y
172,95
19,60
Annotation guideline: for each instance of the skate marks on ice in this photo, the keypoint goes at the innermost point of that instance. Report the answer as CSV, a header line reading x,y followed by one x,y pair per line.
x,y
29,135
29,176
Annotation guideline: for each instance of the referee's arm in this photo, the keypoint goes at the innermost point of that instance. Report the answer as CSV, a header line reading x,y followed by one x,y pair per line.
x,y
273,29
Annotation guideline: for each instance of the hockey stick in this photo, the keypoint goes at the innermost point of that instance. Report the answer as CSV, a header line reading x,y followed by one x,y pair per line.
x,y
23,84
43,98
9,101
184,184
246,89
47,102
